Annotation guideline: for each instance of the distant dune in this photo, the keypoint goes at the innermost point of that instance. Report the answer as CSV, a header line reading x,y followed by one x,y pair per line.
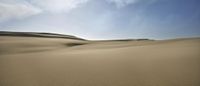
x,y
34,34
46,59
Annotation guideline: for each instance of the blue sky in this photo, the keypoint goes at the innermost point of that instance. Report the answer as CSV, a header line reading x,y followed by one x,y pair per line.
x,y
103,19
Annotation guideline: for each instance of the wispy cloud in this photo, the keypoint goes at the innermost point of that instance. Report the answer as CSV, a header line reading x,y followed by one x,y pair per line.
x,y
123,3
57,6
16,11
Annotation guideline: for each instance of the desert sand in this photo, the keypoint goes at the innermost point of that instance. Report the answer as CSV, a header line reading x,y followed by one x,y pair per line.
x,y
43,59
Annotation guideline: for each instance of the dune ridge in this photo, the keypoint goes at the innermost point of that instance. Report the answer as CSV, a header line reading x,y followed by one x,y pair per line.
x,y
35,34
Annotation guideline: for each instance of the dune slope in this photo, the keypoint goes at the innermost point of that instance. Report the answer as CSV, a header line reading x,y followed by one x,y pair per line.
x,y
53,61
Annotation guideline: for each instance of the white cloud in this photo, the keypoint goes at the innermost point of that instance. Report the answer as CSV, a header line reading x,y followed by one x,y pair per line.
x,y
57,5
16,11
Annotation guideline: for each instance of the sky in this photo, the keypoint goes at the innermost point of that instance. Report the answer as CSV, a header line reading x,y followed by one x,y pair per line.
x,y
103,19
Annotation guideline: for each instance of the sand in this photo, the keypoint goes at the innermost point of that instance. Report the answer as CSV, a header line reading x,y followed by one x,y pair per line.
x,y
46,61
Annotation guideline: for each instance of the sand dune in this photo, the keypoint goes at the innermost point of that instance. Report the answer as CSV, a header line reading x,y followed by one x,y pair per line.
x,y
43,59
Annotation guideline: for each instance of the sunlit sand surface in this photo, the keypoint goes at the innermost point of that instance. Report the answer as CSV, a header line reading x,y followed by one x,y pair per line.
x,y
70,61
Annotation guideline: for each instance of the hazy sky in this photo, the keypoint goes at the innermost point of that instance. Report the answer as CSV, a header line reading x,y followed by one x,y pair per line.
x,y
103,19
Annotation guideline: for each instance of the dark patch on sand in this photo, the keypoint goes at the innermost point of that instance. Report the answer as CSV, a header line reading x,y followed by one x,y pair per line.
x,y
74,44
